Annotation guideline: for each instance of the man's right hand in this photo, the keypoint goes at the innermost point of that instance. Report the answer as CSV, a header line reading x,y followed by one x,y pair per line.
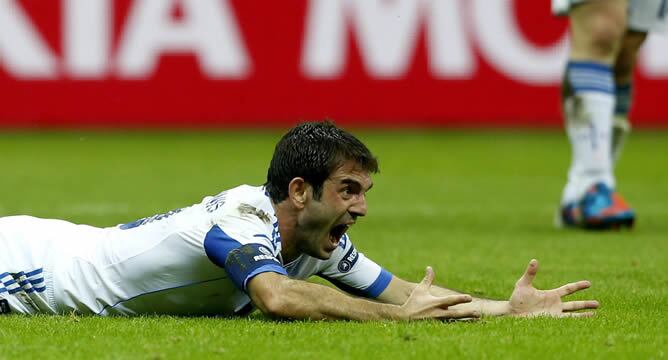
x,y
421,304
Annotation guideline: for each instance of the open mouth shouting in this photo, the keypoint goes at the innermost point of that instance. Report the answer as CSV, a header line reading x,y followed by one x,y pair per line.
x,y
337,232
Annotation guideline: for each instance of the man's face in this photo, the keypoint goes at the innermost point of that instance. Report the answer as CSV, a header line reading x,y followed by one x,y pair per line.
x,y
323,222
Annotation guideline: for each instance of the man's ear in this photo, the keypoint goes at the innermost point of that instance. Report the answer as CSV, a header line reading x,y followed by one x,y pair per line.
x,y
298,191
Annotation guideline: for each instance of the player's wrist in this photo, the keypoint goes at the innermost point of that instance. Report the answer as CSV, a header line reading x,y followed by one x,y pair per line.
x,y
398,312
495,307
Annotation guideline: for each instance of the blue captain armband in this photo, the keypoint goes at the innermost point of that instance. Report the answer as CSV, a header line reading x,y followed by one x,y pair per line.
x,y
247,261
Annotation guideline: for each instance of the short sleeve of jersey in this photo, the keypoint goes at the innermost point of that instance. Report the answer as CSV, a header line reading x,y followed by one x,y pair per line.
x,y
240,241
351,271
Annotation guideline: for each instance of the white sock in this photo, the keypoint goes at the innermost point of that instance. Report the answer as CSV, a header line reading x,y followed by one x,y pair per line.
x,y
589,111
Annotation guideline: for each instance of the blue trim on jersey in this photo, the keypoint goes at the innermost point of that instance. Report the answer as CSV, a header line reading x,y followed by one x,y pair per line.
x,y
217,245
262,269
249,260
246,264
2,290
150,219
373,291
275,236
156,291
3,275
343,241
263,236
10,282
380,284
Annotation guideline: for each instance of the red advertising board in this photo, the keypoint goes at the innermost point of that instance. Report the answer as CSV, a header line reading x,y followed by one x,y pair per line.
x,y
248,63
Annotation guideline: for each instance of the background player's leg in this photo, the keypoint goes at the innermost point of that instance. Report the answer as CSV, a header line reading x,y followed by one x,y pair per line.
x,y
623,68
597,28
589,200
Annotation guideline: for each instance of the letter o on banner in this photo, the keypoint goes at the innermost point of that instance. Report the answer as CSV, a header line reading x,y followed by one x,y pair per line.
x,y
503,45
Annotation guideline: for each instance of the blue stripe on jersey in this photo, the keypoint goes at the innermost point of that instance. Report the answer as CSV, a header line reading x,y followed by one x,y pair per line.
x,y
2,289
262,269
4,275
275,236
590,77
343,241
250,260
263,236
380,284
373,291
217,245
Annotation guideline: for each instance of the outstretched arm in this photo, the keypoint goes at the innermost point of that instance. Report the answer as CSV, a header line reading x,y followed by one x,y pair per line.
x,y
279,296
524,301
398,290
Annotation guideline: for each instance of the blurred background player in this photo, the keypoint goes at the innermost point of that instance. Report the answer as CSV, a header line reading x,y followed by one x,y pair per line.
x,y
597,93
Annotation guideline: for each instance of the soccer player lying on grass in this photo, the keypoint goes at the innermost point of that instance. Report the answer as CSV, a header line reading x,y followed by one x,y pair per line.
x,y
247,247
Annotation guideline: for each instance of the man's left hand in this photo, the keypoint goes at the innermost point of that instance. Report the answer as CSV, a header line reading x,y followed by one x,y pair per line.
x,y
528,301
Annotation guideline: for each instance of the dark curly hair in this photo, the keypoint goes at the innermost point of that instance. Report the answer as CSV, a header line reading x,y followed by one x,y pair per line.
x,y
312,151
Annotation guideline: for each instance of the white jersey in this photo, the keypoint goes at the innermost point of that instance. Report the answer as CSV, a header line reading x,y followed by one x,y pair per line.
x,y
191,261
644,15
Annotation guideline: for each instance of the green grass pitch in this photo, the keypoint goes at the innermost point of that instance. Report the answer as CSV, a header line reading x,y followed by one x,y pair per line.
x,y
477,206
